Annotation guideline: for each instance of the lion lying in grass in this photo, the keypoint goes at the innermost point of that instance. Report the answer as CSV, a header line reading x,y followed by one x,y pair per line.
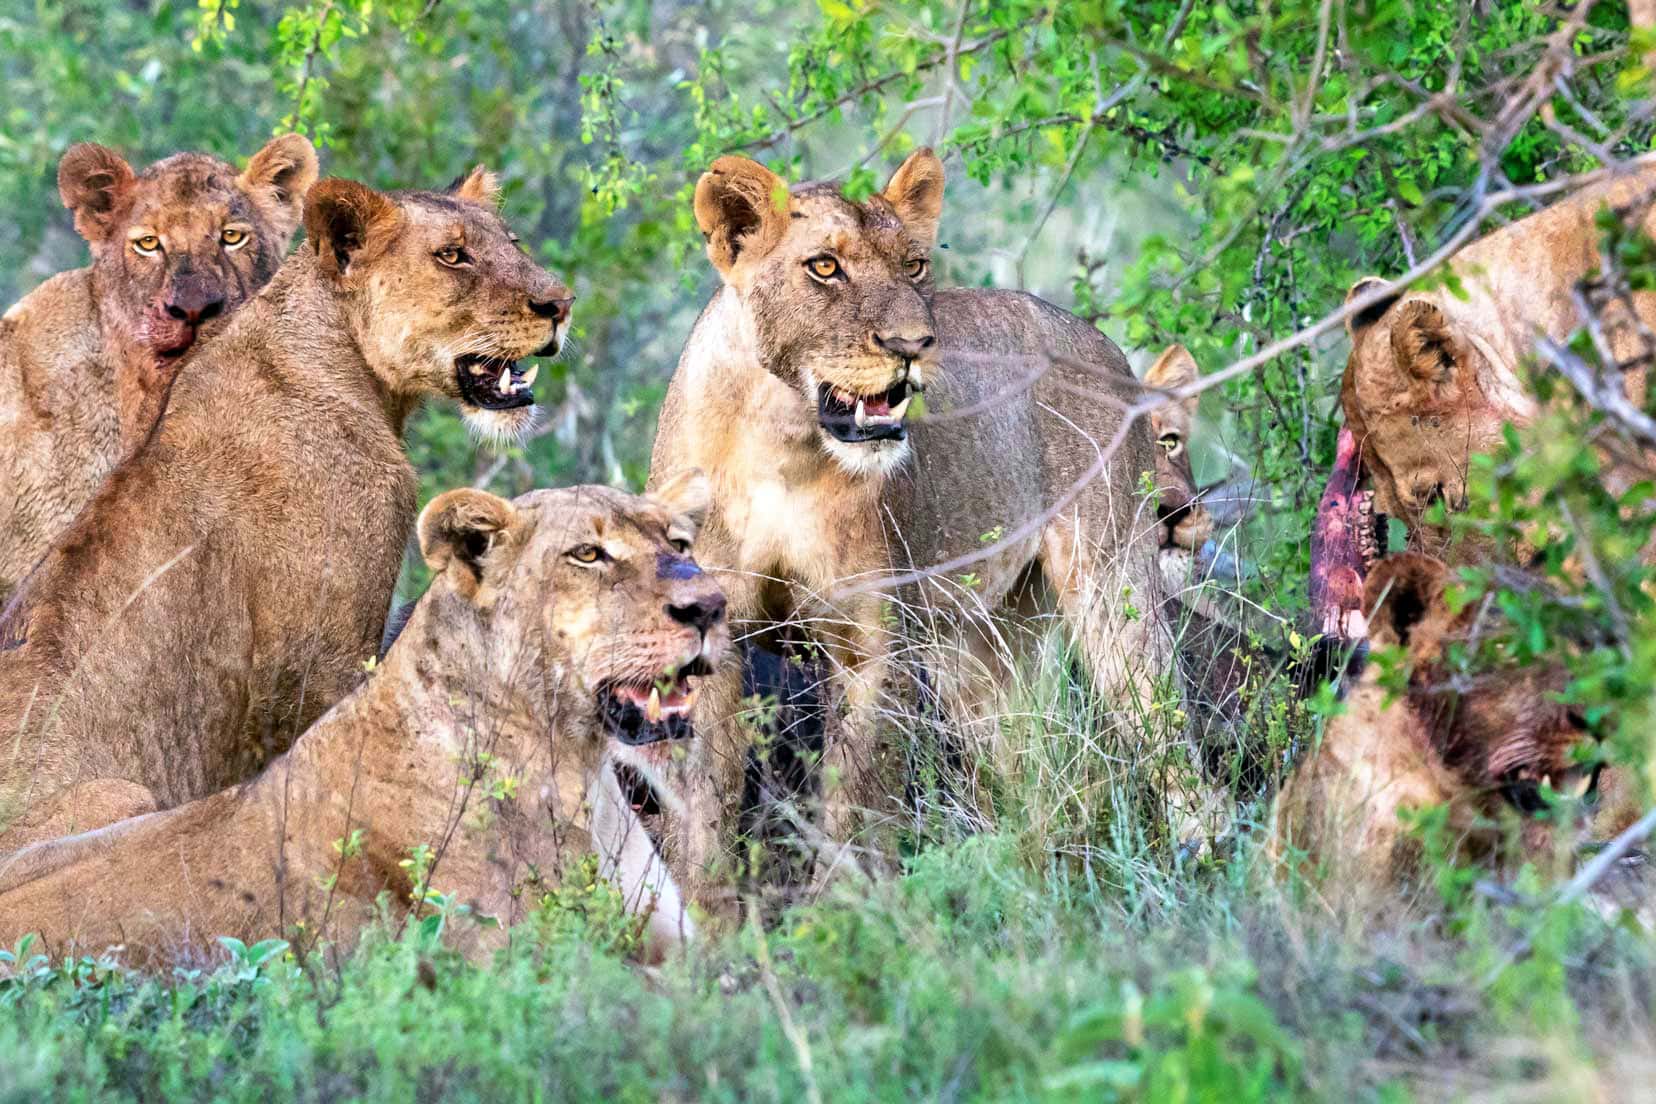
x,y
225,585
1487,745
512,728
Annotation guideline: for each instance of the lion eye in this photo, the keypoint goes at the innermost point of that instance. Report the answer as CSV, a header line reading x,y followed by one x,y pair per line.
x,y
1169,442
586,553
679,545
233,237
915,268
147,246
452,256
824,267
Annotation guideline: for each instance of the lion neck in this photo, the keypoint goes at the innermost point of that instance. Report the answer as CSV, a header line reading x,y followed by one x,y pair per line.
x,y
434,735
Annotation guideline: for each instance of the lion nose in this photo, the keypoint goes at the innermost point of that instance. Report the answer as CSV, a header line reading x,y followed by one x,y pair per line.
x,y
555,309
195,308
701,613
908,348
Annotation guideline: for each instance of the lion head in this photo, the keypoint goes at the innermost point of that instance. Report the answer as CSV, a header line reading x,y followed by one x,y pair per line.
x,y
632,626
1487,743
1185,523
181,245
836,294
1422,393
443,298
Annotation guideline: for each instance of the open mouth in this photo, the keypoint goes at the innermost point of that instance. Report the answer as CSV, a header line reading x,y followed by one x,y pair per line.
x,y
493,383
636,790
853,418
640,714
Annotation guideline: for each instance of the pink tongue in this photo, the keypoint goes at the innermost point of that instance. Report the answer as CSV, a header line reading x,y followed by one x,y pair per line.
x,y
876,406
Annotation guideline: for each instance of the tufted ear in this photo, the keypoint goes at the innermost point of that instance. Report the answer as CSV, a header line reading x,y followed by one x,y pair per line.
x,y
1369,315
686,494
1425,345
458,530
348,224
916,192
96,184
1173,369
278,176
1403,591
479,186
742,210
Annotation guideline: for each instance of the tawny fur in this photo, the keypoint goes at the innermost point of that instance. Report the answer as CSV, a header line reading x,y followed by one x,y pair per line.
x,y
1432,377
479,737
225,585
88,357
798,515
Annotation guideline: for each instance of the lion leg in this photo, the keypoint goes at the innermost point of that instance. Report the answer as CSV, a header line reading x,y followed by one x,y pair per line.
x,y
858,778
78,808
709,782
1114,619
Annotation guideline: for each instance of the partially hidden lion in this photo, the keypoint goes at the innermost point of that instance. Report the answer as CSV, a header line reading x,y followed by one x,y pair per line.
x,y
542,680
1481,743
88,357
1434,373
225,585
794,392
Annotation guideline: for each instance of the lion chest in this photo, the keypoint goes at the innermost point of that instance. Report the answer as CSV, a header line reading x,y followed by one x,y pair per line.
x,y
801,532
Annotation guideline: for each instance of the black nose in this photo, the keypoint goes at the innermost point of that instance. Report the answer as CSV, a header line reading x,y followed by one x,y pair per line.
x,y
909,348
701,613
556,309
196,309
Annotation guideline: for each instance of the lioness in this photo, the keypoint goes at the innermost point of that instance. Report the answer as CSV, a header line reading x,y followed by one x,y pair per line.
x,y
225,585
87,358
499,733
1481,744
793,393
1433,376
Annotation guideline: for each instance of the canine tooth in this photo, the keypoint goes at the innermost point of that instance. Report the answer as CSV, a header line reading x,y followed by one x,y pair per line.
x,y
529,376
652,708
690,697
897,411
505,383
862,415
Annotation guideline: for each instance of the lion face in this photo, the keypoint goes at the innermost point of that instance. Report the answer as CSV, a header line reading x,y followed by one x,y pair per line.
x,y
1185,523
836,295
1414,397
623,623
180,246
444,299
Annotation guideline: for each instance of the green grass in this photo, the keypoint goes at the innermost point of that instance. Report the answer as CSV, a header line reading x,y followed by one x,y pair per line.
x,y
970,976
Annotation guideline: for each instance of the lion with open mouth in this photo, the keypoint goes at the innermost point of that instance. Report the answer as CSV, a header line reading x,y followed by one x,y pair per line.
x,y
523,714
226,584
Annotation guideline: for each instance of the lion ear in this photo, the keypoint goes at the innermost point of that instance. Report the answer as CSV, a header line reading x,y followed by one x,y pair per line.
x,y
741,208
1174,369
1403,590
348,224
1425,345
96,184
480,186
1369,315
458,530
915,191
686,494
278,176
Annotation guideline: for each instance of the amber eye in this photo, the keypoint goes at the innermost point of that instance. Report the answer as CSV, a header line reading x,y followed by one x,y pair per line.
x,y
915,268
451,255
1170,442
147,246
823,268
232,237
586,553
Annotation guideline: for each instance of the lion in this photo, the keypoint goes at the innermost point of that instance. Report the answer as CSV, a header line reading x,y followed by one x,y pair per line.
x,y
1434,373
794,392
87,358
1489,746
545,676
225,585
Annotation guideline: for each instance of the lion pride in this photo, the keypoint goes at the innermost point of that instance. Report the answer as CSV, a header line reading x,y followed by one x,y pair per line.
x,y
225,585
795,392
506,731
87,359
